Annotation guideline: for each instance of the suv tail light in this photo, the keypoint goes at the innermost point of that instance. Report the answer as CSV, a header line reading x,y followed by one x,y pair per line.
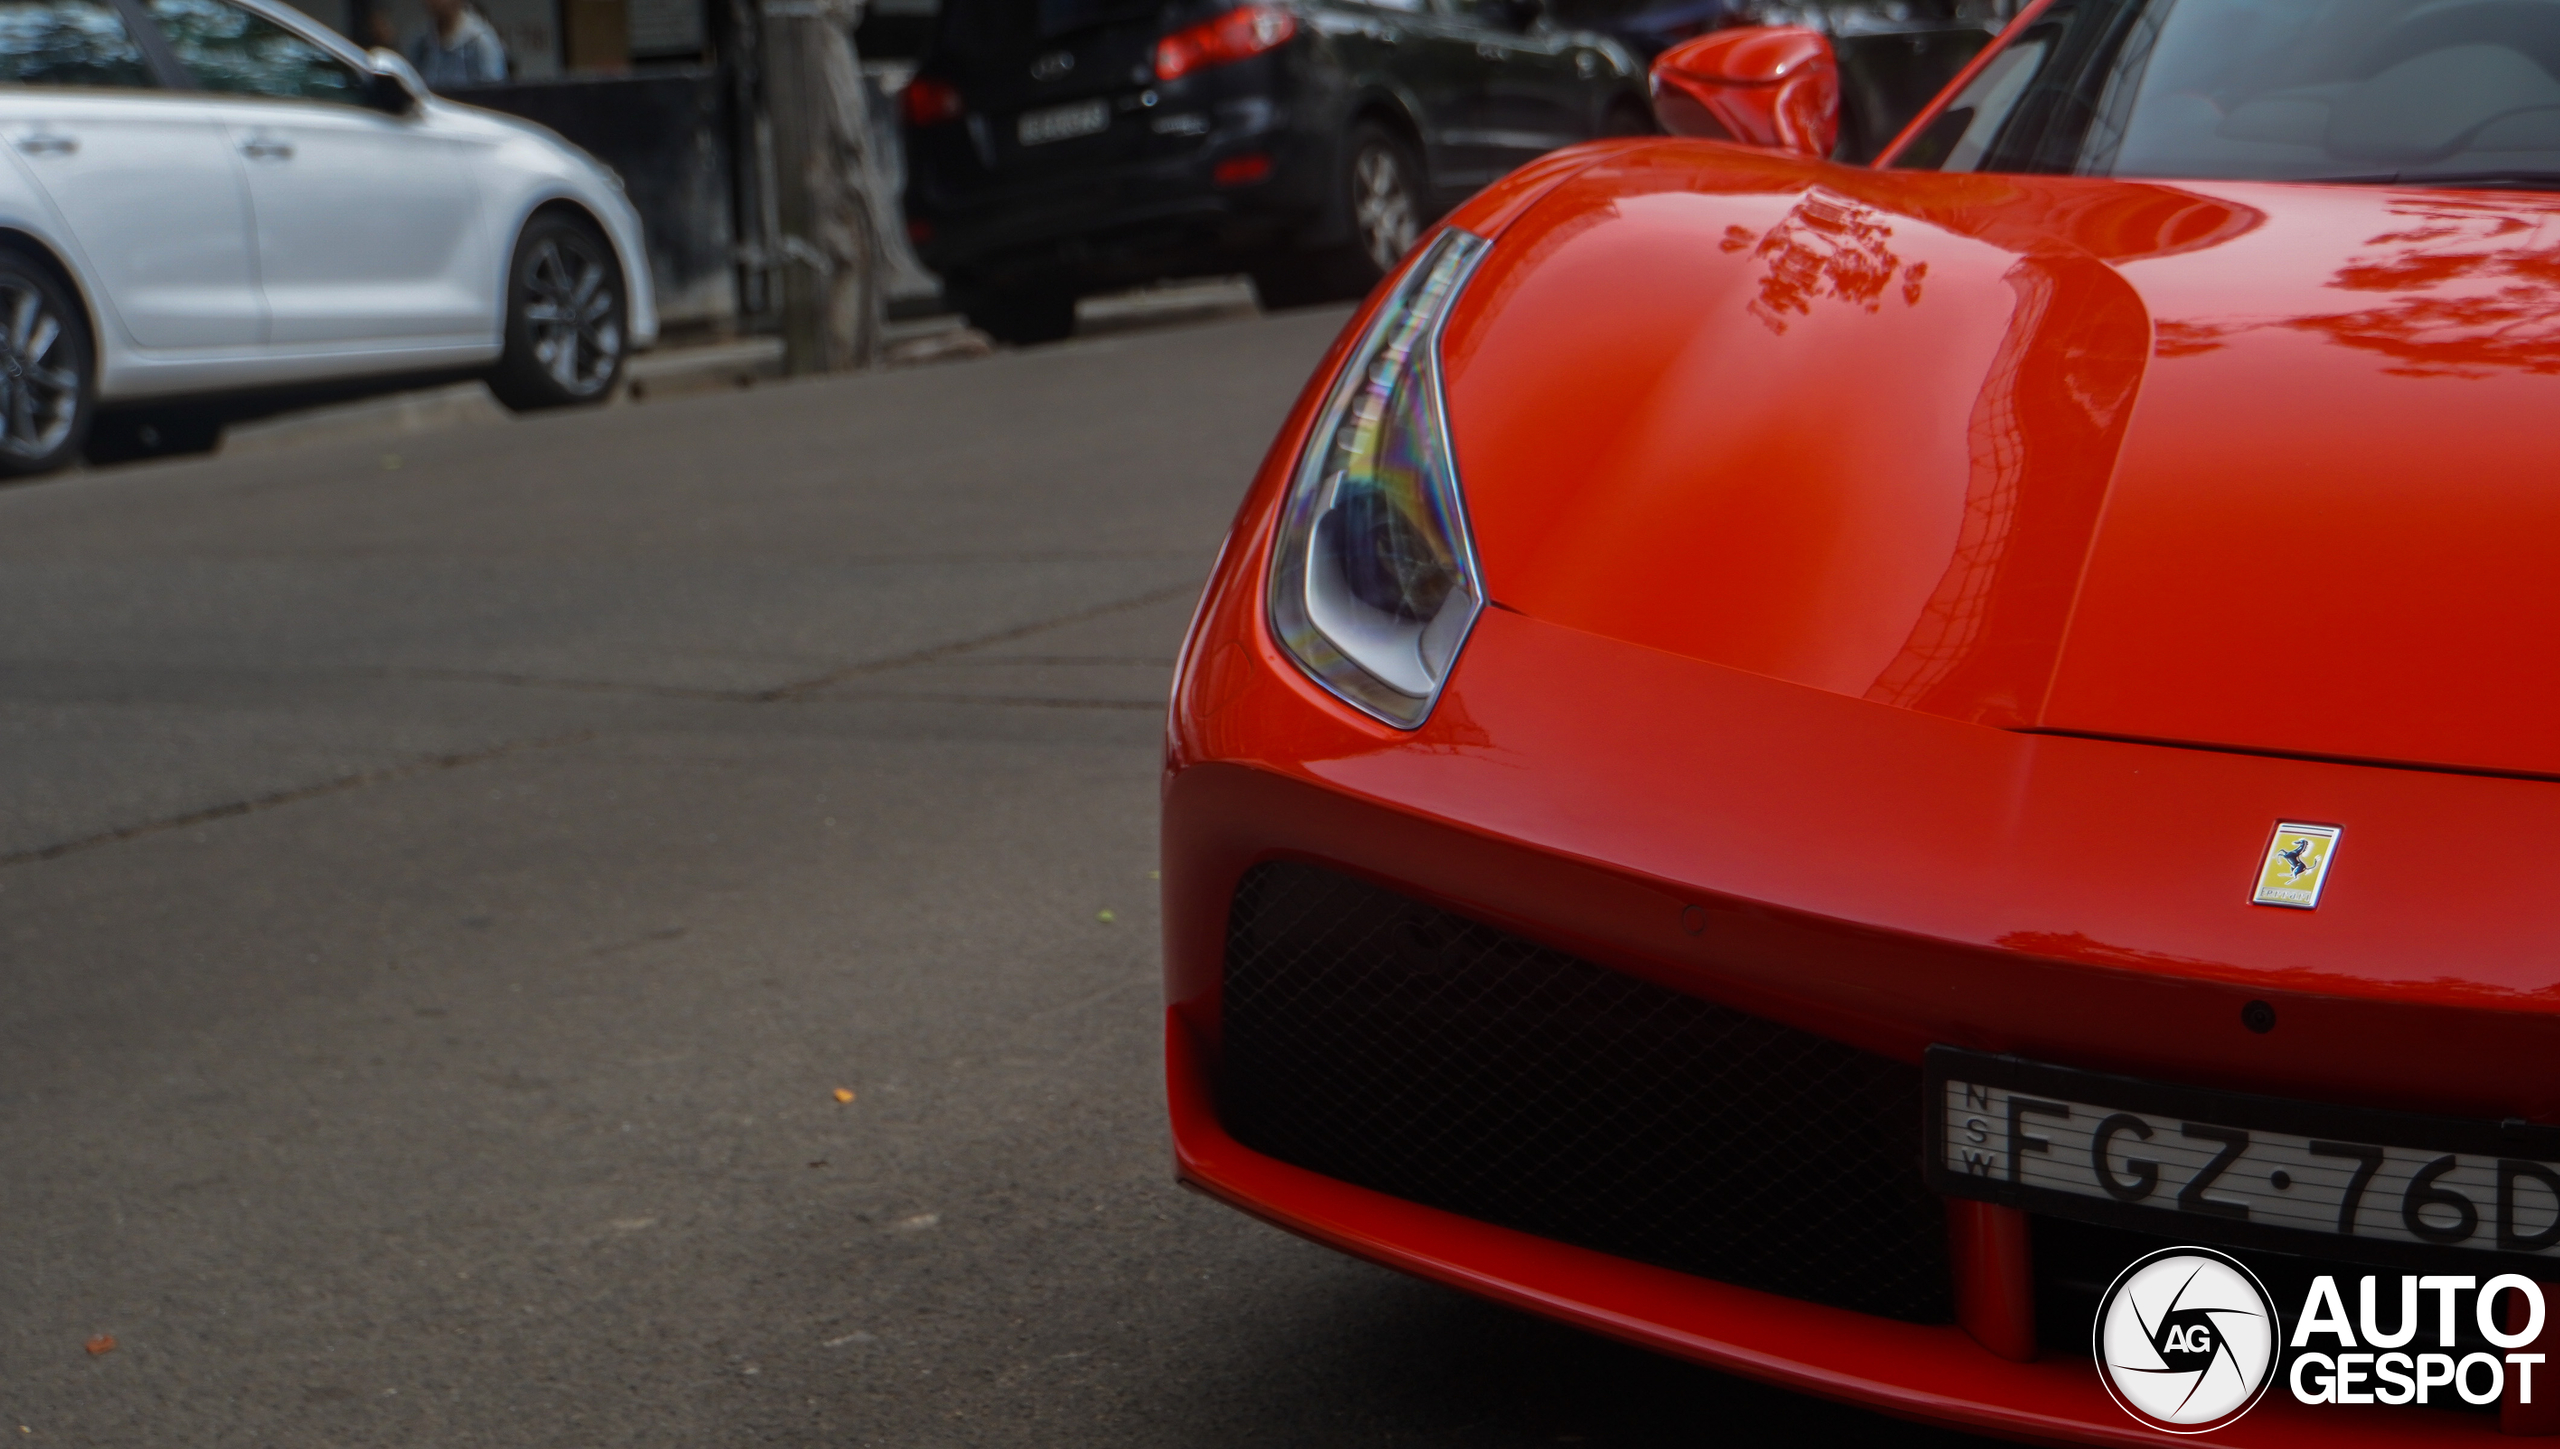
x,y
928,101
1240,34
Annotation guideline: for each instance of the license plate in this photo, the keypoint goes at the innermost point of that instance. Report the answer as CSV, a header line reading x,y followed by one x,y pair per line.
x,y
1063,123
2226,1166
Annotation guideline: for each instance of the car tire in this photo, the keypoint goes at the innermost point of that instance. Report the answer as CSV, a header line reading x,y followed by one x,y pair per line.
x,y
1381,189
567,318
48,368
1022,315
132,437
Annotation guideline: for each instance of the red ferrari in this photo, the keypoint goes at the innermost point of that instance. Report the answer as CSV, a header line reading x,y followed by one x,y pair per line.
x,y
1810,766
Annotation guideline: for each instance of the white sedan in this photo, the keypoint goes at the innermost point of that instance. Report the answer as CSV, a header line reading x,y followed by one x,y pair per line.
x,y
214,208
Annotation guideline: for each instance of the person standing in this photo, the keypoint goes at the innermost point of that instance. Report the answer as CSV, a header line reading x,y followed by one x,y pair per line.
x,y
458,48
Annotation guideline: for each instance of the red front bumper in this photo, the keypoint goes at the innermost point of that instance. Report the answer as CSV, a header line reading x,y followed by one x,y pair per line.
x,y
1879,878
1934,1373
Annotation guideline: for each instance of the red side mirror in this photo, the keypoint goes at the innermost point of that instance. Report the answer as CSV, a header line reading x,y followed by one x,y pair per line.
x,y
1767,85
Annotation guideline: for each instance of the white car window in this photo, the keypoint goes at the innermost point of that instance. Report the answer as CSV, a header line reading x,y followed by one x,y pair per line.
x,y
231,50
68,43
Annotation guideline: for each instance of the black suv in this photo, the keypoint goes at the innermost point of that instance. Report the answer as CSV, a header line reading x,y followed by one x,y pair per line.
x,y
1062,147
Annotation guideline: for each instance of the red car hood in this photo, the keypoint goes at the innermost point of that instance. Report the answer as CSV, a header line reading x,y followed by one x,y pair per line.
x,y
2248,466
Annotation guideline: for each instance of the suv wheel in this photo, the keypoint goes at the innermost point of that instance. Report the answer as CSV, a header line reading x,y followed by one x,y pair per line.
x,y
1022,314
564,318
1386,197
46,369
1381,190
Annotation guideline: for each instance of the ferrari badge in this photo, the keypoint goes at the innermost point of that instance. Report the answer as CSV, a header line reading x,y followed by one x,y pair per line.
x,y
2297,865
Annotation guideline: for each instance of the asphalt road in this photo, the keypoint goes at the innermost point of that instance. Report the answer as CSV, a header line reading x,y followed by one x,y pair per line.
x,y
442,892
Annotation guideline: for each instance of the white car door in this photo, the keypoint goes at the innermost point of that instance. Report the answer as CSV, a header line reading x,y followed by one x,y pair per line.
x,y
370,227
143,177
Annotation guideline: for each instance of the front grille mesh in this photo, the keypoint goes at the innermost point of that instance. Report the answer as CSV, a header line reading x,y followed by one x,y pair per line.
x,y
1393,1045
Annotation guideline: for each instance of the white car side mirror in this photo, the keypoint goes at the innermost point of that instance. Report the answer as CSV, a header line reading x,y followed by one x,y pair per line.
x,y
395,86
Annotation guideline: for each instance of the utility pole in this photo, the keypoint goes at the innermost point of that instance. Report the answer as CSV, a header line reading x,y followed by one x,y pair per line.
x,y
827,186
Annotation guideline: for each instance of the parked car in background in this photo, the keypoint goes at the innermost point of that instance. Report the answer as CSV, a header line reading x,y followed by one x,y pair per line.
x,y
1062,147
215,209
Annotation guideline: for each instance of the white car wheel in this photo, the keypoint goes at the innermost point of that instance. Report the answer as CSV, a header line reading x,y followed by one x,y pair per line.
x,y
565,318
44,369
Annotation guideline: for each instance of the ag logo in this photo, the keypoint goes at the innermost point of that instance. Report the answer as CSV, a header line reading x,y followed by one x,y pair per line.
x,y
2186,1340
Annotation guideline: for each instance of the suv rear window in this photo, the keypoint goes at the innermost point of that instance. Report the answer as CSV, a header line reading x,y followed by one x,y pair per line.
x,y
1007,26
1057,17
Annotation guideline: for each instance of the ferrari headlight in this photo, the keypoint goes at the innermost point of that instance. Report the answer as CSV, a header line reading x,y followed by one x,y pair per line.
x,y
1373,578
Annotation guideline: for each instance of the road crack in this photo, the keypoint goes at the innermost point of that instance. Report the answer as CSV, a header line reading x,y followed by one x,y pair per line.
x,y
291,797
801,688
964,646
796,690
1009,701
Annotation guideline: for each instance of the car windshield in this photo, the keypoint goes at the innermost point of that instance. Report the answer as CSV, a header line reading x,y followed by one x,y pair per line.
x,y
2458,92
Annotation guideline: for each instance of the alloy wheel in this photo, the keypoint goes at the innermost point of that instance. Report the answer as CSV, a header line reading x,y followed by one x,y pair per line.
x,y
570,315
39,378
1382,205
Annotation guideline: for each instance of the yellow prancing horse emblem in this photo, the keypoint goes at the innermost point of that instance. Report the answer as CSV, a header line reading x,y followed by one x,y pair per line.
x,y
2296,866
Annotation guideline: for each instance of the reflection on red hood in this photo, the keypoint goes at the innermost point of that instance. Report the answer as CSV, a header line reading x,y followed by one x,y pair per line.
x,y
2247,466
